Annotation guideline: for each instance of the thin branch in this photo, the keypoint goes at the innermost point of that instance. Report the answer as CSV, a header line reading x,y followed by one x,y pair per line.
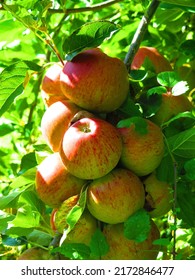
x,y
140,32
93,8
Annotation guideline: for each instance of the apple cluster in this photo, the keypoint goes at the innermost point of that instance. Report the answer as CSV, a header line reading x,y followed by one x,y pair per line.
x,y
116,163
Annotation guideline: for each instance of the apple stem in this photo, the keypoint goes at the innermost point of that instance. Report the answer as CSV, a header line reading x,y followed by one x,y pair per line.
x,y
140,32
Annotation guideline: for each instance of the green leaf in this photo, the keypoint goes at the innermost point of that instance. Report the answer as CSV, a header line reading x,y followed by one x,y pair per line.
x,y
165,170
138,75
12,82
137,226
139,122
4,219
129,108
162,241
180,88
74,251
10,241
39,237
188,48
168,79
6,128
98,244
25,180
151,101
189,167
28,161
89,35
183,143
180,2
185,115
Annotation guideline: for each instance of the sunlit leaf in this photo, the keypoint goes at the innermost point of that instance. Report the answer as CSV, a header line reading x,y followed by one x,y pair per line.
x,y
74,251
168,79
98,244
90,35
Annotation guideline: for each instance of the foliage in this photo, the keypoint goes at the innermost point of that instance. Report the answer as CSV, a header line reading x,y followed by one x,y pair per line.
x,y
35,34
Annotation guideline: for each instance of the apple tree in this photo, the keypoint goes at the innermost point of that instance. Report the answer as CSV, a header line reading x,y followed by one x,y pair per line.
x,y
154,43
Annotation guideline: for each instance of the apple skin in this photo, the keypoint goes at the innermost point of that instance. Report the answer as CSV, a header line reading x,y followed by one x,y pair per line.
x,y
50,86
122,248
116,196
54,183
36,253
159,62
91,148
159,196
55,122
84,228
95,81
171,106
142,153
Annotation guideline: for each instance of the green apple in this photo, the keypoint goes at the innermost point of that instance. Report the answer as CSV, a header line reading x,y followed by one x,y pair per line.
x,y
115,196
50,86
158,61
54,183
142,152
36,253
84,228
121,248
91,148
159,196
95,81
55,122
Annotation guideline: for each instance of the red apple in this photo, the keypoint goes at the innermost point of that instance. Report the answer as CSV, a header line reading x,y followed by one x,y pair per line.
x,y
159,196
84,228
142,152
91,148
95,81
115,196
159,62
121,248
50,86
171,106
55,122
54,183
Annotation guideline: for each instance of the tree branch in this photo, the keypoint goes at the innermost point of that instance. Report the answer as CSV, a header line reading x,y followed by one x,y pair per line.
x,y
140,32
93,8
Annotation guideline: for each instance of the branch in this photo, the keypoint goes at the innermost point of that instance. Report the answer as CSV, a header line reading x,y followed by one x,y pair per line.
x,y
93,8
140,32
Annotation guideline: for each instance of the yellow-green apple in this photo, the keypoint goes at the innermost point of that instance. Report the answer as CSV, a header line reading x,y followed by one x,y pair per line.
x,y
142,152
50,86
91,148
83,229
121,248
171,105
158,61
95,81
159,196
55,122
54,183
36,253
115,196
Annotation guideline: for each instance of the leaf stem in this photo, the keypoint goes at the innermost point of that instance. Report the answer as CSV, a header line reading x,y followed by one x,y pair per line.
x,y
140,32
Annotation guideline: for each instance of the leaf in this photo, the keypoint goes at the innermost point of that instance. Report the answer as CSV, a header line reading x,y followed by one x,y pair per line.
x,y
28,161
4,219
137,226
39,237
74,251
162,242
189,167
180,88
138,75
139,122
6,128
165,170
88,36
185,115
10,241
168,79
98,244
26,179
11,82
151,102
129,108
186,204
188,48
183,143
180,2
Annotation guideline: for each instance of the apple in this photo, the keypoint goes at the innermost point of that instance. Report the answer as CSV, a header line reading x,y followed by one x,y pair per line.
x,y
50,86
159,196
55,122
115,196
159,62
54,183
95,81
142,152
171,106
121,248
36,253
84,228
91,148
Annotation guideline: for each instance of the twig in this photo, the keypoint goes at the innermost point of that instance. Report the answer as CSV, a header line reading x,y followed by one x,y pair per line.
x,y
93,8
140,32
